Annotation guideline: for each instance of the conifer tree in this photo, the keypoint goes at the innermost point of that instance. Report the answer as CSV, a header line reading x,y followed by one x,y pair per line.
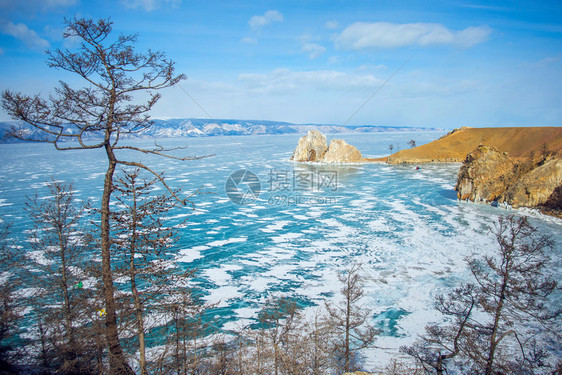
x,y
59,251
140,249
99,116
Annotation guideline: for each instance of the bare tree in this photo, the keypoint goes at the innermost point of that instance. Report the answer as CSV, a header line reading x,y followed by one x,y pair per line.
x,y
282,324
223,358
317,348
391,147
509,287
141,242
513,288
544,150
401,367
286,342
59,249
350,319
184,313
56,239
97,117
10,309
442,343
412,143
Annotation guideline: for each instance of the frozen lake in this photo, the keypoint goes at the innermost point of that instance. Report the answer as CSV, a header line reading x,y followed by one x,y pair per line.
x,y
404,225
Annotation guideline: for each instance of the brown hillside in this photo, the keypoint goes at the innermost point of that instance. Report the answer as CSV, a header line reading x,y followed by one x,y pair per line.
x,y
518,142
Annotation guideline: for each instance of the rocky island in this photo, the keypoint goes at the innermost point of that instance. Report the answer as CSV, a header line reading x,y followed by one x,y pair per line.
x,y
314,147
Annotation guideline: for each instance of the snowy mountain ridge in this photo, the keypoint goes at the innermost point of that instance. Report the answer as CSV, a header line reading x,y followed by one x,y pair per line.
x,y
194,127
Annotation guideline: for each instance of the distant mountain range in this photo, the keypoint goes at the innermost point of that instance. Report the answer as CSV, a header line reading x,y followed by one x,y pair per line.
x,y
193,127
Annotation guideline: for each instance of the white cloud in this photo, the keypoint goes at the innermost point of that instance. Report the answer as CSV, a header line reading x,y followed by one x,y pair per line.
x,y
32,6
150,5
249,40
473,35
56,34
327,96
332,25
313,50
257,22
370,67
334,60
549,60
58,3
53,33
283,81
25,34
362,35
542,63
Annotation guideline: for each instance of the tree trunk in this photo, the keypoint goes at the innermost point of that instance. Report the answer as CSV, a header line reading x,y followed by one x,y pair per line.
x,y
43,339
347,329
259,353
497,317
117,363
66,296
439,367
177,346
134,289
195,359
140,322
142,345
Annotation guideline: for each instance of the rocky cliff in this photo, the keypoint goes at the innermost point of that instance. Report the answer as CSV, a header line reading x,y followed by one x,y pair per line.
x,y
482,176
314,147
488,175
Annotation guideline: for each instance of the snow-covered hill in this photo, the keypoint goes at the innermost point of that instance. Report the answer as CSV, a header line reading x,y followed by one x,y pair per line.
x,y
191,127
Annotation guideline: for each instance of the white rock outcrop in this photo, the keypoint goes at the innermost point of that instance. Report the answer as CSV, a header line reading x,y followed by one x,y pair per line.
x,y
340,151
314,147
311,147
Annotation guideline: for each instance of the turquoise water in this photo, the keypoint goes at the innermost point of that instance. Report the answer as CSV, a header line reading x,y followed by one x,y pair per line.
x,y
310,220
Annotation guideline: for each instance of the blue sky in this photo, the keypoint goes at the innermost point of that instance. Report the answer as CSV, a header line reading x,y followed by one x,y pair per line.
x,y
469,63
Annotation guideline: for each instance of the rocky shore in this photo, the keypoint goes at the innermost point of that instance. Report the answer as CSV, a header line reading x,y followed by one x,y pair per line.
x,y
519,167
488,175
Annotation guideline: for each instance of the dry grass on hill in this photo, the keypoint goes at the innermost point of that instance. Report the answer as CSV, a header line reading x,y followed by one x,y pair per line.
x,y
518,142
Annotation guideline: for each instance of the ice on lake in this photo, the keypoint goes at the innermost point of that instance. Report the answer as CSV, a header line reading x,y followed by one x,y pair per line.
x,y
403,225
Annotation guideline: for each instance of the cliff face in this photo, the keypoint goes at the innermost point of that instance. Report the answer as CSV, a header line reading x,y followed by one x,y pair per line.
x,y
482,176
536,187
488,175
314,147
